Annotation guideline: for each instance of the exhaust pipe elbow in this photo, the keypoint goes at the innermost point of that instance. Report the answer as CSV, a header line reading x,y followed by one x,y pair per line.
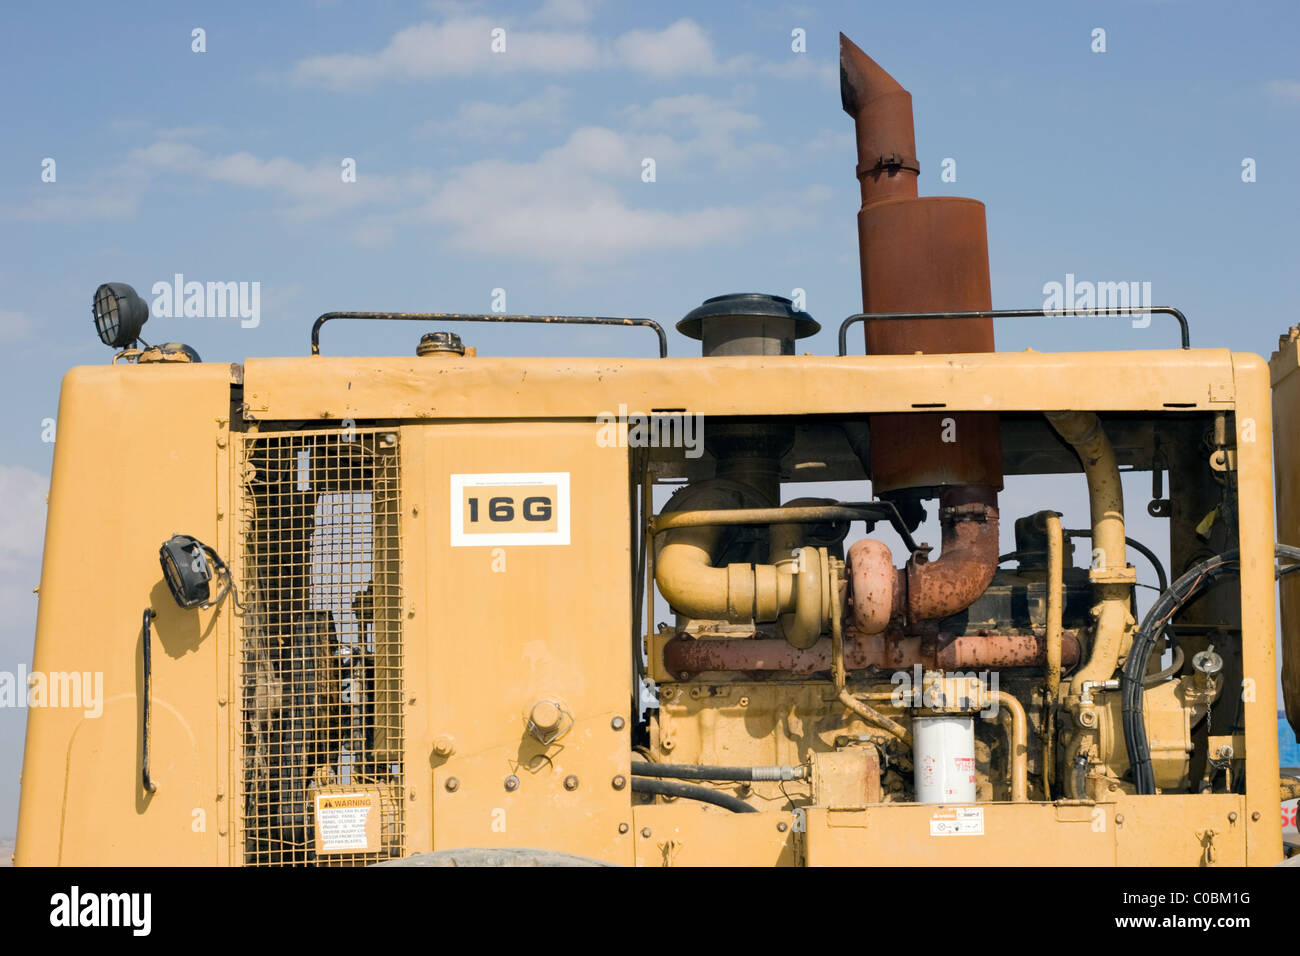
x,y
965,568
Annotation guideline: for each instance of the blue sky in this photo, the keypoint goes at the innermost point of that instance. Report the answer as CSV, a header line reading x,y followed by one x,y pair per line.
x,y
522,171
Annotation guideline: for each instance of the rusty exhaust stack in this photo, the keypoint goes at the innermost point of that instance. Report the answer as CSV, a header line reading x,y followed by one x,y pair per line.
x,y
923,255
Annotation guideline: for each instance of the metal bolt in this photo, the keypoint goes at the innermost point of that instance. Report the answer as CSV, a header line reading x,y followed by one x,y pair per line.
x,y
645,832
1255,816
512,783
619,782
1232,817
444,745
412,794
452,784
623,828
617,723
744,702
415,512
781,827
1119,819
570,782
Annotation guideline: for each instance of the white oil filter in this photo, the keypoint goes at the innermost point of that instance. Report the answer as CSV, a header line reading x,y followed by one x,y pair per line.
x,y
944,752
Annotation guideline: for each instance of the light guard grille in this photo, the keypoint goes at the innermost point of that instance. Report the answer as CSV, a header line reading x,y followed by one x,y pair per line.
x,y
321,657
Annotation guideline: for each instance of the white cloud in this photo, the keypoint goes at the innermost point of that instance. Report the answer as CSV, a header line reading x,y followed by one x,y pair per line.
x,y
483,120
562,208
315,190
22,532
1285,90
580,202
111,196
455,47
462,45
681,49
716,129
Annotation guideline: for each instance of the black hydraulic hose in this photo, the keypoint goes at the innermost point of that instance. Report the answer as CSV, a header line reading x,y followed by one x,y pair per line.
x,y
1199,576
147,640
689,791
1162,579
685,771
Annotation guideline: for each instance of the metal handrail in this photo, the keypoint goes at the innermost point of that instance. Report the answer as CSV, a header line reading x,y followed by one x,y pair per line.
x,y
487,317
1015,314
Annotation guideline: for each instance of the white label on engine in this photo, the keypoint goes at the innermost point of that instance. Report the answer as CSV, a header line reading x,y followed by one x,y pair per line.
x,y
957,821
516,509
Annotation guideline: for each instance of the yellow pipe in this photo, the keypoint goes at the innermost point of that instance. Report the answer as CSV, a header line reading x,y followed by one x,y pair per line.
x,y
1111,576
873,716
1055,601
1018,739
691,584
804,627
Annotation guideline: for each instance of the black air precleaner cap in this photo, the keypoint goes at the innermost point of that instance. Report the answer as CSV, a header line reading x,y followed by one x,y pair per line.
x,y
747,323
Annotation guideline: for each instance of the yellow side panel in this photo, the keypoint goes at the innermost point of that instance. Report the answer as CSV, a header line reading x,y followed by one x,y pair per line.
x,y
1040,834
1207,829
508,624
1283,368
686,833
137,460
484,388
1165,830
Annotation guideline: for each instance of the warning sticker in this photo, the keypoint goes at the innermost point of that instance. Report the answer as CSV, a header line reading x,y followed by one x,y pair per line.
x,y
347,822
957,821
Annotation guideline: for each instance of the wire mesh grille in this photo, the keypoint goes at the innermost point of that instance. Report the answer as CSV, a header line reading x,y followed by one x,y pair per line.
x,y
321,652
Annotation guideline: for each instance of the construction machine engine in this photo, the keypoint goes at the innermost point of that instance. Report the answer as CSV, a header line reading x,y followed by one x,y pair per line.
x,y
801,672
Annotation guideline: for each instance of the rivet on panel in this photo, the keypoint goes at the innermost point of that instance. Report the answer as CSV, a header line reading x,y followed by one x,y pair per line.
x,y
617,723
512,783
452,784
570,782
645,832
